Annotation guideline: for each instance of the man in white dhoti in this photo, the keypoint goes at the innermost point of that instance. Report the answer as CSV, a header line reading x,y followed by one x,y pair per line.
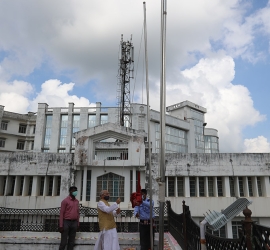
x,y
108,238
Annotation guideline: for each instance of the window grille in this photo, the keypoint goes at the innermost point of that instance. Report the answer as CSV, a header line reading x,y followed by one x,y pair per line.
x,y
21,185
50,186
20,145
171,189
4,125
2,142
232,190
42,183
219,186
259,186
192,186
241,186
180,186
236,225
201,186
250,190
88,185
58,185
30,185
22,128
210,186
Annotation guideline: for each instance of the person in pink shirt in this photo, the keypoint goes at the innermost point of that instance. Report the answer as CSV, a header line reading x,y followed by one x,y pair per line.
x,y
69,219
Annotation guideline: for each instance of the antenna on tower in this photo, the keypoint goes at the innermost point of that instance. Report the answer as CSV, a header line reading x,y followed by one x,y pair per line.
x,y
126,72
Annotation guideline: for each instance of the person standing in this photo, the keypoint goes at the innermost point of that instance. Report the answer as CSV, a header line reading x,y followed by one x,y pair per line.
x,y
69,219
108,238
142,212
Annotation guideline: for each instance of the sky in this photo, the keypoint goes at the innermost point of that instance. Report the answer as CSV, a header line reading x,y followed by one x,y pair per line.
x,y
217,56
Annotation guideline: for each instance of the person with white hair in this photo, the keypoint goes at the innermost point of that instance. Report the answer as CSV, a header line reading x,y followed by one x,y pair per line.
x,y
108,238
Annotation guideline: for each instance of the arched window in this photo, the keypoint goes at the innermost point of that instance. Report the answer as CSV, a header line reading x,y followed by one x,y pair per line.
x,y
113,183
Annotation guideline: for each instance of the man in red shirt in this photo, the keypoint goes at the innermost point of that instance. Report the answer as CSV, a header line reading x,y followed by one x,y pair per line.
x,y
69,219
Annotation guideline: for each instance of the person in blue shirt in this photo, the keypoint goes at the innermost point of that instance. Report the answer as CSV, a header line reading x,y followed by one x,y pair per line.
x,y
142,212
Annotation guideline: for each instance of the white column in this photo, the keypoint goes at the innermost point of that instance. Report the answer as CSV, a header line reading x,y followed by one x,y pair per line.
x,y
78,183
229,229
206,187
35,185
254,186
54,189
186,186
84,183
17,185
197,186
25,186
46,186
69,126
265,186
226,186
245,186
134,179
176,187
167,189
215,187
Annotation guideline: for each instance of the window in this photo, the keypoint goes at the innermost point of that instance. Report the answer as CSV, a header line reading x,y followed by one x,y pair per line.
x,y
259,186
48,131
113,183
82,185
180,186
3,186
21,185
4,125
250,190
30,185
103,119
50,186
32,145
91,121
219,186
171,188
22,128
51,225
241,187
236,225
58,185
2,142
12,186
201,186
63,131
232,190
88,185
10,225
34,129
75,127
192,186
219,233
20,145
42,183
210,186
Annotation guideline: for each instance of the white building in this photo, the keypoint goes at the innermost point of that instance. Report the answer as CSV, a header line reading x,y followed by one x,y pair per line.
x,y
85,146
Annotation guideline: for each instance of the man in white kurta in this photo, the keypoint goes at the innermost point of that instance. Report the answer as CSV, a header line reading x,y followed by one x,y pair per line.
x,y
108,238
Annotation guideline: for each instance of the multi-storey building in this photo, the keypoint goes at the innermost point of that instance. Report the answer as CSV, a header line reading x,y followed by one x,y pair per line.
x,y
87,147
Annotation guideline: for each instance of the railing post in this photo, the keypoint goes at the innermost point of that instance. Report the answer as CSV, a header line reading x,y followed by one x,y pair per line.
x,y
184,225
248,225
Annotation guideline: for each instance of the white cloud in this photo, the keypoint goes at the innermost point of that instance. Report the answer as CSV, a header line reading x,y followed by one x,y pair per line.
x,y
56,94
257,145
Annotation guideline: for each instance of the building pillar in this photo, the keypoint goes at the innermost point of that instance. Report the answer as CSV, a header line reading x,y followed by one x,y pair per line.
x,y
229,229
167,189
98,110
236,186
46,186
206,187
25,186
134,188
56,124
83,118
54,188
254,186
197,186
186,186
17,185
78,182
176,187
69,127
215,186
265,186
84,183
245,186
35,186
226,186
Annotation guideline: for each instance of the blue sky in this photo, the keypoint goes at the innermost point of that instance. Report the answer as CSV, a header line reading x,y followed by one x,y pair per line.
x,y
217,56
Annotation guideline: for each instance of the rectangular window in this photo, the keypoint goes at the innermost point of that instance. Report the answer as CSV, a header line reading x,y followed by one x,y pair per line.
x,y
4,125
2,142
259,186
32,145
12,186
201,186
21,185
103,119
75,127
34,129
236,225
42,183
63,131
241,186
88,185
171,188
58,185
232,190
30,185
91,121
4,185
180,186
250,190
210,186
219,186
219,233
22,128
20,145
50,186
192,186
48,131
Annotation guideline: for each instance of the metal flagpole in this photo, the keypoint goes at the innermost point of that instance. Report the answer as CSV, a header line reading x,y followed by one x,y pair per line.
x,y
162,124
148,128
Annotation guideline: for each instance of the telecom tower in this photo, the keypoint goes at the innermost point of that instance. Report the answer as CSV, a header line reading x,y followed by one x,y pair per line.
x,y
126,71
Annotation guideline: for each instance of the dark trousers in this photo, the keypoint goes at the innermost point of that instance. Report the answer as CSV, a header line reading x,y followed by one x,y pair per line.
x,y
68,236
145,240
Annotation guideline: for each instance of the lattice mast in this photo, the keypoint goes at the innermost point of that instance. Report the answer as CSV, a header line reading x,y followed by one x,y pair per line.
x,y
126,72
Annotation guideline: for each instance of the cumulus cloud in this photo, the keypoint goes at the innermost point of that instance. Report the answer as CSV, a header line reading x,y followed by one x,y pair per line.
x,y
56,94
257,145
229,106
